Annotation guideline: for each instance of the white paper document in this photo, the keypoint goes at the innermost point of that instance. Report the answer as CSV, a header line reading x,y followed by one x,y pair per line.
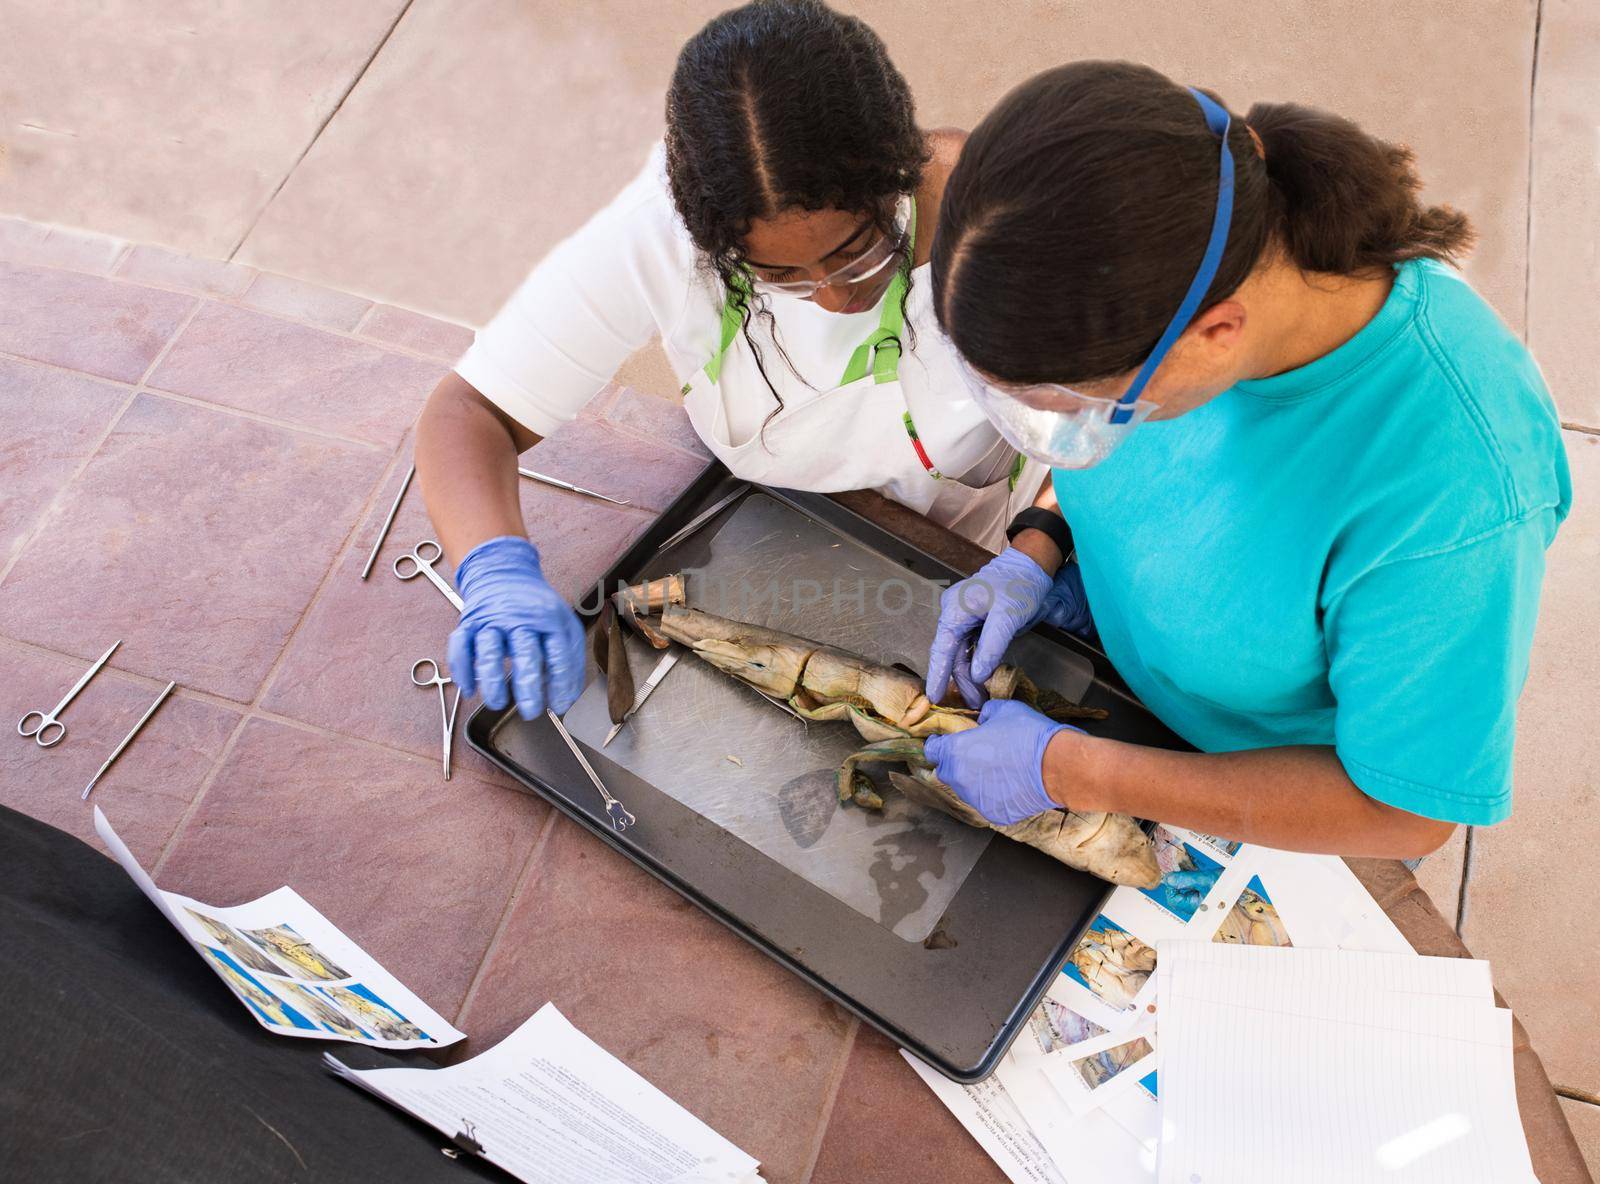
x,y
293,970
1356,1066
1087,1077
1092,1148
550,1106
992,1118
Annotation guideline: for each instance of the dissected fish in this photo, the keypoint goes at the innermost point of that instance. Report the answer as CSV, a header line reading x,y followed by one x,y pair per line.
x,y
1111,846
889,708
819,681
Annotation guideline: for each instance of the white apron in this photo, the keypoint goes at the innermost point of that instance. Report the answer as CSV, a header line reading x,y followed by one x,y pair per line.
x,y
860,435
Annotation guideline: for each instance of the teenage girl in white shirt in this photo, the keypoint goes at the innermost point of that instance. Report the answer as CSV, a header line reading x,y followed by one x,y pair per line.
x,y
777,242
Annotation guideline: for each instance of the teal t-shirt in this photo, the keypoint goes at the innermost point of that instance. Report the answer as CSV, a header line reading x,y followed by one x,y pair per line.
x,y
1347,554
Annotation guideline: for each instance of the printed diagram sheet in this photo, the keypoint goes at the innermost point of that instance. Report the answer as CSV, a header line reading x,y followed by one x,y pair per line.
x,y
550,1106
292,969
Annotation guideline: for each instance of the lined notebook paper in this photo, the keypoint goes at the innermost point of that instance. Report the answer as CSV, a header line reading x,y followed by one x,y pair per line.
x,y
1329,1065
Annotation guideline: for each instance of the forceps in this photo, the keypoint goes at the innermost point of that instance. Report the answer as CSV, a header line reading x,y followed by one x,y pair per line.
x,y
448,718
422,565
42,734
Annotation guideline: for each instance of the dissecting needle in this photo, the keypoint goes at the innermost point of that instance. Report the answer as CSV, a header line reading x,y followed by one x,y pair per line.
x,y
126,740
383,531
570,487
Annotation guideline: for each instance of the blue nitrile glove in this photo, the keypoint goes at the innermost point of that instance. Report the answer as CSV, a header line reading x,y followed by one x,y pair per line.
x,y
512,611
1006,596
997,768
1065,605
1185,890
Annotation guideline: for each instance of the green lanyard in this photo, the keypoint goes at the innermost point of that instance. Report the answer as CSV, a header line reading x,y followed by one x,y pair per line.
x,y
878,355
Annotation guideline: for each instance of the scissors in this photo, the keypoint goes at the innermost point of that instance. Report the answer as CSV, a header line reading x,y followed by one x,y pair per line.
x,y
425,673
50,730
421,564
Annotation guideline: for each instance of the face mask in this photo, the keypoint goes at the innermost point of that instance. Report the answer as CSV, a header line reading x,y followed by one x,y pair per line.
x,y
1069,429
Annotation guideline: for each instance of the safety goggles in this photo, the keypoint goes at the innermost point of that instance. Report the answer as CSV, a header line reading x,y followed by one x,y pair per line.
x,y
1071,429
876,259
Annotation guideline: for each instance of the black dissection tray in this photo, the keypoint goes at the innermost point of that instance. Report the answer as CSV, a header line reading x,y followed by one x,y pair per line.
x,y
957,998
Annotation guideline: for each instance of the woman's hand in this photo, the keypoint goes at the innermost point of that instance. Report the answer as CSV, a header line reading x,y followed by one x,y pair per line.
x,y
1008,595
997,768
510,607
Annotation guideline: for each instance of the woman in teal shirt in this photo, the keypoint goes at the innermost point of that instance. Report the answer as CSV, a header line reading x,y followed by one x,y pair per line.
x,y
1309,475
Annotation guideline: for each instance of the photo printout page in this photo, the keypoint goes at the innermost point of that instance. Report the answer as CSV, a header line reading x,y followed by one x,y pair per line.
x,y
295,972
551,1106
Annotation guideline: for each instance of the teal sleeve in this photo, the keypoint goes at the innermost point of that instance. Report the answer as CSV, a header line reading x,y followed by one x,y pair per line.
x,y
1427,656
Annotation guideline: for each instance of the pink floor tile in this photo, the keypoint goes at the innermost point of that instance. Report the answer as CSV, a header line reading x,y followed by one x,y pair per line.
x,y
416,871
198,536
311,303
100,326
146,792
657,419
888,1127
52,421
148,264
597,407
413,330
597,456
722,1029
240,358
348,667
41,245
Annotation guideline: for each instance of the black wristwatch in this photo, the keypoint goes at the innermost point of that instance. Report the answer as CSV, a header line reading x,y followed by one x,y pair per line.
x,y
1051,523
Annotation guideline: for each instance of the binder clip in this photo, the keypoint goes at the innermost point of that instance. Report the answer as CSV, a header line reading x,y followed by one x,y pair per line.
x,y
466,1139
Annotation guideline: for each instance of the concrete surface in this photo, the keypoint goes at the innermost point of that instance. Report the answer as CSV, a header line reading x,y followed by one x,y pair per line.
x,y
302,179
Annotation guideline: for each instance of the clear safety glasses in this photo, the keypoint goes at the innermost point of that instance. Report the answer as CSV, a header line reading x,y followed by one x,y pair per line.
x,y
1070,429
881,255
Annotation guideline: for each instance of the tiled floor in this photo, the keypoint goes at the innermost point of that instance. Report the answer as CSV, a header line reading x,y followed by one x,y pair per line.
x,y
231,521
217,441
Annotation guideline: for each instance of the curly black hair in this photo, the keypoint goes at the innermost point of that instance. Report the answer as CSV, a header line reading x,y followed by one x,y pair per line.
x,y
783,105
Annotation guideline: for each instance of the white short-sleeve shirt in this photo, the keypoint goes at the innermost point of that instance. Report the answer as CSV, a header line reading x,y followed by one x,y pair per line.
x,y
632,272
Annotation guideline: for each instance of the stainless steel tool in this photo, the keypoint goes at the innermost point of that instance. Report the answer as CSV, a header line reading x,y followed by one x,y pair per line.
x,y
621,817
777,702
447,718
50,730
571,488
422,562
383,531
126,740
650,684
706,515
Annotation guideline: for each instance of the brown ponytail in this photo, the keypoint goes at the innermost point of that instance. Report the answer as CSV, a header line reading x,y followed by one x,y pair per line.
x,y
1344,201
1080,207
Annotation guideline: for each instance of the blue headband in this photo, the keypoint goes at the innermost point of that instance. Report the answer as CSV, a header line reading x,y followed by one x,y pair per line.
x,y
1218,120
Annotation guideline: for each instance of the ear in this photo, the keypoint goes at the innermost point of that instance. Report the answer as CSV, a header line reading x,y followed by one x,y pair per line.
x,y
1221,325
